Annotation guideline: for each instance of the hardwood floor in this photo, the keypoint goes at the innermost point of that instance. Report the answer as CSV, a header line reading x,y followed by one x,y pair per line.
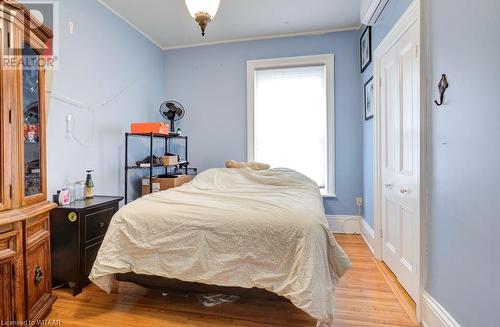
x,y
368,295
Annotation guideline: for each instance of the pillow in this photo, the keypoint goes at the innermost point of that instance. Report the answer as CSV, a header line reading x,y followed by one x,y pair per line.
x,y
248,165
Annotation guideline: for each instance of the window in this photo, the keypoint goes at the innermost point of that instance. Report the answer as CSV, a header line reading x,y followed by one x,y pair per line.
x,y
290,116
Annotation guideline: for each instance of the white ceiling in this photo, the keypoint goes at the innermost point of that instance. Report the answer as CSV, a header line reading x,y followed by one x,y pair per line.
x,y
169,25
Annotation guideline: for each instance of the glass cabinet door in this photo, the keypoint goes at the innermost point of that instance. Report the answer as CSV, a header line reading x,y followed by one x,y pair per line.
x,y
2,122
32,124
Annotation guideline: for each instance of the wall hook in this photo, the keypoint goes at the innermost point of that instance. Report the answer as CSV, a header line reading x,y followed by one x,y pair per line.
x,y
442,86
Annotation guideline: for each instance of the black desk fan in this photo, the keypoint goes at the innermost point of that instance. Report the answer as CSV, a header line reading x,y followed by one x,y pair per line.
x,y
172,111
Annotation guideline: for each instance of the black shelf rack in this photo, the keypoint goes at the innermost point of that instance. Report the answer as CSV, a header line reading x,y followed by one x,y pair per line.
x,y
152,167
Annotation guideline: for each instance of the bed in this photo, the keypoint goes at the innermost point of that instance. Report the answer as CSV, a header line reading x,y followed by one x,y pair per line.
x,y
234,228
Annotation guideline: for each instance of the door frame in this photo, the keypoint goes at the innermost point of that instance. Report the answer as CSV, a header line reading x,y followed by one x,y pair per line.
x,y
415,13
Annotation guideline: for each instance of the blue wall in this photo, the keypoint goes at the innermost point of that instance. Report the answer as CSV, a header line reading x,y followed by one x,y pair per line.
x,y
390,15
103,56
464,243
210,82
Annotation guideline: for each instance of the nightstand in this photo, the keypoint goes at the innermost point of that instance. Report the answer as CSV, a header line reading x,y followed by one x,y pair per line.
x,y
77,231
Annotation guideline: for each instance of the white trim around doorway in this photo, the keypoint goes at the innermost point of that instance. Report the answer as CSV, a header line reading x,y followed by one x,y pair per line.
x,y
414,14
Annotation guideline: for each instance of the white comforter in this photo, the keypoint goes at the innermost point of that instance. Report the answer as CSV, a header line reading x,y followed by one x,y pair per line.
x,y
231,227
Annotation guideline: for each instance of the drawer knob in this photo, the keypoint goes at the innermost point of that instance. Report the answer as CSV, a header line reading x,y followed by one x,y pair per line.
x,y
101,224
38,275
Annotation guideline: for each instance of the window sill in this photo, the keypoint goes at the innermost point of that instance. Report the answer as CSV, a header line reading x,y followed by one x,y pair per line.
x,y
328,196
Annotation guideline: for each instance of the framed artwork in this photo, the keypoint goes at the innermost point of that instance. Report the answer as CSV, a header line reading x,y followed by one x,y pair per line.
x,y
369,99
365,47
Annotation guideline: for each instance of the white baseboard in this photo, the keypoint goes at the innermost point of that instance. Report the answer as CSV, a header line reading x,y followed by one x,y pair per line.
x,y
368,234
342,224
434,315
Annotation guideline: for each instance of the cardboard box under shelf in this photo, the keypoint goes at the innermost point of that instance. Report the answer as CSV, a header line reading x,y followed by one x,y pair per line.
x,y
161,183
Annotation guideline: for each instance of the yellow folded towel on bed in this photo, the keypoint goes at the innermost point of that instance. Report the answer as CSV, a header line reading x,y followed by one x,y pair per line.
x,y
249,165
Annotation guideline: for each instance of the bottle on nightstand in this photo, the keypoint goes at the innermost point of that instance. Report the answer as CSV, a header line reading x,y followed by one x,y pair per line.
x,y
89,186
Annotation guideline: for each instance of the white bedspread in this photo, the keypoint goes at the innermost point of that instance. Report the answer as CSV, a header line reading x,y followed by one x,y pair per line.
x,y
231,227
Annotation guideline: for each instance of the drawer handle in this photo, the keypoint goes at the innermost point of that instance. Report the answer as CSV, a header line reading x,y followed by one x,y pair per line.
x,y
38,275
101,224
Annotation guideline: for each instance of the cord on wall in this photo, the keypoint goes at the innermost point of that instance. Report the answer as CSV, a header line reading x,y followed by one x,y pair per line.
x,y
70,118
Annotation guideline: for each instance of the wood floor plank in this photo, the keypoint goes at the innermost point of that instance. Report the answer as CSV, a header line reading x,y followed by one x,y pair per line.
x,y
367,296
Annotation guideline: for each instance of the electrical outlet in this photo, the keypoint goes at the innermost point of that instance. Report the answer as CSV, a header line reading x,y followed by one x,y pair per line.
x,y
359,201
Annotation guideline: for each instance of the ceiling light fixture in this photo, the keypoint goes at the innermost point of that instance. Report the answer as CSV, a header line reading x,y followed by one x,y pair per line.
x,y
203,11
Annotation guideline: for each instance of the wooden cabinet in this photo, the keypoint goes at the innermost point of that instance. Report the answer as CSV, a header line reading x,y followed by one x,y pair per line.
x,y
25,265
77,231
11,271
38,280
7,306
38,266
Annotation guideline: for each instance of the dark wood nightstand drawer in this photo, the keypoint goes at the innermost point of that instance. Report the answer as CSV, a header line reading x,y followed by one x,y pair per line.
x,y
97,222
90,255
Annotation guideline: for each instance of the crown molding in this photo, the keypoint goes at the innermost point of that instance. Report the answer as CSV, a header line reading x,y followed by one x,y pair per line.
x,y
265,37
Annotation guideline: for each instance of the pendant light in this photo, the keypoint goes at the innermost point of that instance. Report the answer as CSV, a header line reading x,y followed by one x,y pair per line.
x,y
203,11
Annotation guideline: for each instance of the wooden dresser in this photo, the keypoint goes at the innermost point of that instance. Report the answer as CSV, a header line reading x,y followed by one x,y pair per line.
x,y
78,230
25,266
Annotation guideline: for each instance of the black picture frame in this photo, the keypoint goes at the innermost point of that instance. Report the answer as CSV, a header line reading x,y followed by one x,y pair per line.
x,y
365,41
368,99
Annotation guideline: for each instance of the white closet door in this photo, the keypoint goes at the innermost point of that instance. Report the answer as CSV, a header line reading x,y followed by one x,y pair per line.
x,y
400,158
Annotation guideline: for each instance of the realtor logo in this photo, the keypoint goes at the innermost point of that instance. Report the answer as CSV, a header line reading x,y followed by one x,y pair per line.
x,y
39,45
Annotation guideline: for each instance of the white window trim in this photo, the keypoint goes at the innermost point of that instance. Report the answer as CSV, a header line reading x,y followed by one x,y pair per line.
x,y
328,61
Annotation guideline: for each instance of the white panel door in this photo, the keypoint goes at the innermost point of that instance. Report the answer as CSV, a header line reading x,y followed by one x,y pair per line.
x,y
399,98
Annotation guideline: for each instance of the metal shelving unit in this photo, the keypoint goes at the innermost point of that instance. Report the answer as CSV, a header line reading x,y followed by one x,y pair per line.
x,y
152,137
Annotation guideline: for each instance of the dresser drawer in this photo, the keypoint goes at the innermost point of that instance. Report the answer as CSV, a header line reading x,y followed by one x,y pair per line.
x,y
6,228
9,238
37,228
97,222
8,244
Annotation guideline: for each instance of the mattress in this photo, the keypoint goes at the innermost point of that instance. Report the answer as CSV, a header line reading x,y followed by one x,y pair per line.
x,y
231,227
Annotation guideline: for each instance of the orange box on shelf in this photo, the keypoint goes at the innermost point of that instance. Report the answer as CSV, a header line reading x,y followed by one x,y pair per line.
x,y
146,128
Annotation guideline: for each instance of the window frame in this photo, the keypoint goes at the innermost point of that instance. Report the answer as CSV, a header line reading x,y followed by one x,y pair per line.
x,y
326,60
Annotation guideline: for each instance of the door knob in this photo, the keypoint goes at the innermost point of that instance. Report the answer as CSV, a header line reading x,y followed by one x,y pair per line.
x,y
404,190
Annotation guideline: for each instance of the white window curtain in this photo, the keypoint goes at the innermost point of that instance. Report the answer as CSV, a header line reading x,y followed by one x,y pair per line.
x,y
290,120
